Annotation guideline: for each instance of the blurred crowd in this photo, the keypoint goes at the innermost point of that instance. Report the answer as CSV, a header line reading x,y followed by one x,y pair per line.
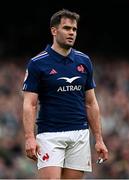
x,y
112,91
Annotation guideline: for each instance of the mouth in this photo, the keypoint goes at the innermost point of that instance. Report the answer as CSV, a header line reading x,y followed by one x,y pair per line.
x,y
70,39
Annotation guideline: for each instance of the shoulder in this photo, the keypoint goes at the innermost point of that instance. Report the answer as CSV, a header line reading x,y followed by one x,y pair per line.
x,y
81,54
35,63
84,59
42,55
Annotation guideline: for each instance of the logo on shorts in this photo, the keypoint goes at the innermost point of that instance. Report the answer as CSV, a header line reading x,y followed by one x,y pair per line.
x,y
45,157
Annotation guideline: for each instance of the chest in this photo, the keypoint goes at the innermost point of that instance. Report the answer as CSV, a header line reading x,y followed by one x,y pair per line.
x,y
54,75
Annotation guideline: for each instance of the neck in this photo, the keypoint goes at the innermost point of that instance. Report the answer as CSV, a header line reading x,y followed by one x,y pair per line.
x,y
60,50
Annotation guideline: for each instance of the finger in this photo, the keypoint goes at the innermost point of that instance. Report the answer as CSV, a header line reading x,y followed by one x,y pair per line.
x,y
33,157
100,155
34,154
38,150
28,153
31,154
105,155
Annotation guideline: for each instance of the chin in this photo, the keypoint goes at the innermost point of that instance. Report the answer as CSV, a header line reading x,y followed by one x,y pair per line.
x,y
67,46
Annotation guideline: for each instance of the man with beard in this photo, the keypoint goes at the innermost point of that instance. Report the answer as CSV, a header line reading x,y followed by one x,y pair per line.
x,y
60,80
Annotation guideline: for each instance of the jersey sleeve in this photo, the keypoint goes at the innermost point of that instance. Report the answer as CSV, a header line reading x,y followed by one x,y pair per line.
x,y
32,78
90,82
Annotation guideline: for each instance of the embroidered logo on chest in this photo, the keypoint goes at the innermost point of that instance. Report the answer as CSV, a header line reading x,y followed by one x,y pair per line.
x,y
81,68
53,71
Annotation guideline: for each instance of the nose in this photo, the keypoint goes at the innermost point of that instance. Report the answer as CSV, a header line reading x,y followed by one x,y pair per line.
x,y
71,31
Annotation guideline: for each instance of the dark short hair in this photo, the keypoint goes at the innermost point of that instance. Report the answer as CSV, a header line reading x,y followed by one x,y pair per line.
x,y
64,13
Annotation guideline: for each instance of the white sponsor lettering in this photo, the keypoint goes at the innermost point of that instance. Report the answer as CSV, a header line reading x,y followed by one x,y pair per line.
x,y
69,88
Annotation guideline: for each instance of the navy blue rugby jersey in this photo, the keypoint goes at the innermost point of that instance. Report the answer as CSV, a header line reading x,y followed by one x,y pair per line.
x,y
60,83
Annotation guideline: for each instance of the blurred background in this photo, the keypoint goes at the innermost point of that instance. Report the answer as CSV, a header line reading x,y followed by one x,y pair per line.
x,y
104,36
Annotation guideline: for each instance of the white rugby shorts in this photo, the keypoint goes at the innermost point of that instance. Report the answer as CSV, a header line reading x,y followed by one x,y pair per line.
x,y
68,149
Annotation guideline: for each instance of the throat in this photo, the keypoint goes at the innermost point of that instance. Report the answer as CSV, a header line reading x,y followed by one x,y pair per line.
x,y
62,51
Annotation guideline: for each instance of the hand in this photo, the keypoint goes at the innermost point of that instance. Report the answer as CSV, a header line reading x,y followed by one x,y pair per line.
x,y
101,150
32,148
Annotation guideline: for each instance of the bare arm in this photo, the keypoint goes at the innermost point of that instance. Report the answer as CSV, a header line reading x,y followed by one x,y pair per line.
x,y
29,116
93,114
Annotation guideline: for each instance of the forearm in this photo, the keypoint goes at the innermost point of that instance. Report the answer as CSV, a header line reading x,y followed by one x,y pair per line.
x,y
93,115
29,116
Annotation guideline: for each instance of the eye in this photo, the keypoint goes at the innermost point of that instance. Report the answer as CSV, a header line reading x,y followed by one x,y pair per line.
x,y
70,28
67,27
74,29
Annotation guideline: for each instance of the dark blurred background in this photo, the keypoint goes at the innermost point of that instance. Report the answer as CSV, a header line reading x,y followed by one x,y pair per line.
x,y
103,34
103,26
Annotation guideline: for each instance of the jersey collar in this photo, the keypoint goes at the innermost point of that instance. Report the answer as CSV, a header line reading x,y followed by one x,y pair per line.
x,y
58,56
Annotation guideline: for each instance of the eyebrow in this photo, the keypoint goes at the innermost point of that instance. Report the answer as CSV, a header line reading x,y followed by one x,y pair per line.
x,y
69,27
